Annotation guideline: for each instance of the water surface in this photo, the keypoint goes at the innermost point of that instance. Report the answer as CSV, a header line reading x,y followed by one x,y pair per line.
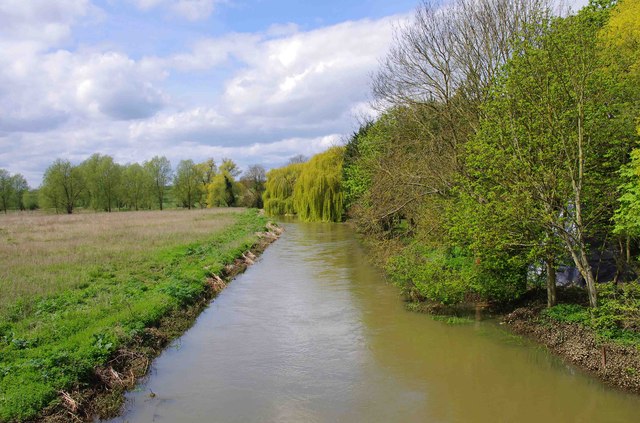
x,y
313,333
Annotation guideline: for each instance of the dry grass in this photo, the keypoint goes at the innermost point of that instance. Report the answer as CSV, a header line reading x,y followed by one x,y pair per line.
x,y
47,254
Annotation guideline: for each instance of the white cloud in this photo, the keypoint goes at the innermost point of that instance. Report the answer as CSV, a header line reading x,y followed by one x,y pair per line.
x,y
192,10
210,53
40,23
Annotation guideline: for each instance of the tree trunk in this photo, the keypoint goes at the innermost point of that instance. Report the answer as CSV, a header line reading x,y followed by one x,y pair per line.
x,y
578,251
551,283
587,274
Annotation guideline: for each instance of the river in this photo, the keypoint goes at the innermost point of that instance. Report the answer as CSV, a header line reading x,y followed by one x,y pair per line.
x,y
313,333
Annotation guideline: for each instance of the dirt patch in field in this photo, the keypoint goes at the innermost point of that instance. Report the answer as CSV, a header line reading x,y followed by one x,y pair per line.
x,y
103,395
615,364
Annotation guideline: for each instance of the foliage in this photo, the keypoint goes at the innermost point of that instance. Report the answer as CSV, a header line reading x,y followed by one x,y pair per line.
x,y
620,40
356,175
224,191
317,195
435,274
159,171
207,171
12,191
449,275
278,194
62,186
51,343
136,187
627,216
186,184
103,179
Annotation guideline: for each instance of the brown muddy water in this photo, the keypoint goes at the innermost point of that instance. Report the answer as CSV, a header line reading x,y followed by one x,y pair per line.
x,y
313,333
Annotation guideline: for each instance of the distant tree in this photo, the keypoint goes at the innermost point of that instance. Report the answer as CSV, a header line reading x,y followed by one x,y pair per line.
x,y
186,185
278,194
159,171
30,199
297,159
318,195
62,186
6,189
253,181
223,191
103,178
136,186
207,170
230,167
20,188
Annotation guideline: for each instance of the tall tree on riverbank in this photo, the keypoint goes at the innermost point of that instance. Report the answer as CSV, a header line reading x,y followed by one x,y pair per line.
x,y
318,195
278,194
551,136
432,85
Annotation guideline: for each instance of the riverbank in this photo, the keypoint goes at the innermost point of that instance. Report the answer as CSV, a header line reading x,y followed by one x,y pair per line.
x,y
614,363
72,355
104,396
604,342
590,340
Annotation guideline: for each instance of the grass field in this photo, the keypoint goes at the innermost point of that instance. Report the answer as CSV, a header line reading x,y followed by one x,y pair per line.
x,y
76,288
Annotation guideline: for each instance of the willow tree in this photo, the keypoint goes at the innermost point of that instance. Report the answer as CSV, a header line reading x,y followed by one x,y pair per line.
x,y
278,194
318,195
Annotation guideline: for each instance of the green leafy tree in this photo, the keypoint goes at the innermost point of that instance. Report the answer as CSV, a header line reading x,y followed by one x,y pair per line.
x,y
62,186
224,191
207,171
136,186
20,188
159,171
546,141
6,189
103,178
187,183
620,40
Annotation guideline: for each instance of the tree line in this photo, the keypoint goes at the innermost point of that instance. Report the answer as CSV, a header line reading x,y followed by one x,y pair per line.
x,y
505,153
102,184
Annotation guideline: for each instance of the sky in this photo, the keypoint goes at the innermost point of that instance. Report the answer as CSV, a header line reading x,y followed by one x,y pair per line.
x,y
257,81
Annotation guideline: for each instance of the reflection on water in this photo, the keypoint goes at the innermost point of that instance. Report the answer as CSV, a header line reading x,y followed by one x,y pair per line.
x,y
313,333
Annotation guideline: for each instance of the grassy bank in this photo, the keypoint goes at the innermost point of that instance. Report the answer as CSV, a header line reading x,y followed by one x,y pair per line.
x,y
76,289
